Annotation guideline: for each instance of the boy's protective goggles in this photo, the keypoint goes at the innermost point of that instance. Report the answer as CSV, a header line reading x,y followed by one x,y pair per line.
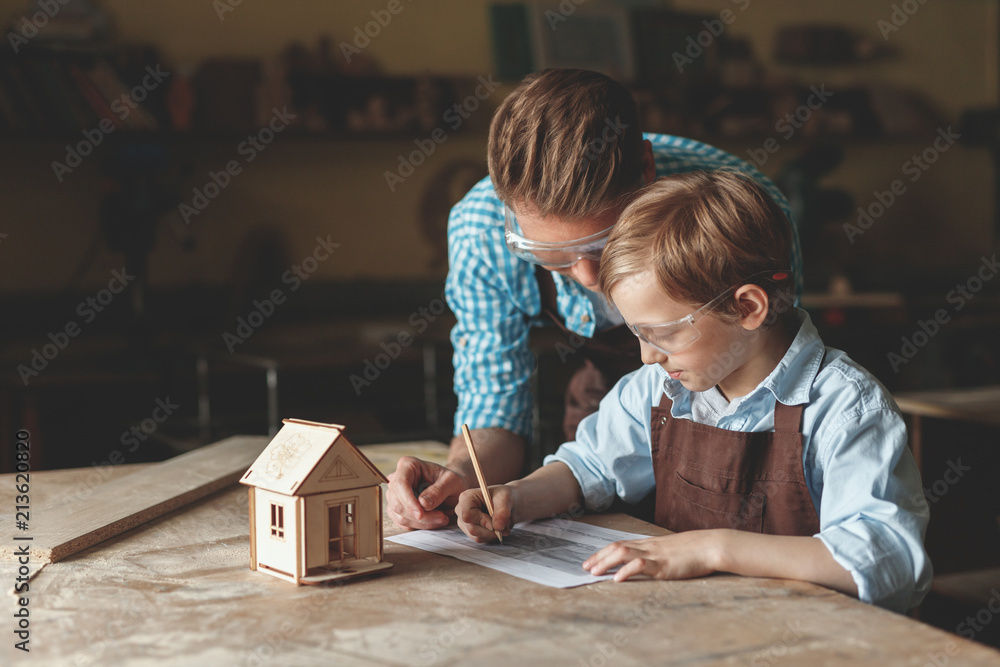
x,y
552,255
672,337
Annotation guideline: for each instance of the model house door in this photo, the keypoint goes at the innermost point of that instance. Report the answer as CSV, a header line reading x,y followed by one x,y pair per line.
x,y
343,541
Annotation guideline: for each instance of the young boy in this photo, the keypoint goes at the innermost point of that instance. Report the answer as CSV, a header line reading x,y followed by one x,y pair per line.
x,y
770,454
565,154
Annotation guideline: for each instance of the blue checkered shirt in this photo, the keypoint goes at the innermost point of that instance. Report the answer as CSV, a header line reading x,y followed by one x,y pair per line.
x,y
496,300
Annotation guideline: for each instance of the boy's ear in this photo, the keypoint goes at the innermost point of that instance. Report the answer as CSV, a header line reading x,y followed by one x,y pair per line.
x,y
753,304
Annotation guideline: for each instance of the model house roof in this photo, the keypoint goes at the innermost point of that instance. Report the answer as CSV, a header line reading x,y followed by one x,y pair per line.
x,y
308,457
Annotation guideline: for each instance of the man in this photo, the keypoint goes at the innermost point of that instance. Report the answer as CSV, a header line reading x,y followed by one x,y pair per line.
x,y
566,156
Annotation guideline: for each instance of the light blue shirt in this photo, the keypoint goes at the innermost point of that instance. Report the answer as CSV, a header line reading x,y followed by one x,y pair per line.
x,y
861,475
496,301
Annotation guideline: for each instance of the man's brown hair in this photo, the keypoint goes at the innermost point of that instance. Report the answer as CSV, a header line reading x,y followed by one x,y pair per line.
x,y
566,142
701,233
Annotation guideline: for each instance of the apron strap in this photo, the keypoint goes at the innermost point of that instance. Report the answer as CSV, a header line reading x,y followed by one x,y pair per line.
x,y
787,417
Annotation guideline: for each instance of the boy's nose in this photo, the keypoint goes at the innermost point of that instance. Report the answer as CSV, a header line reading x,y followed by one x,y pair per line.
x,y
651,355
585,273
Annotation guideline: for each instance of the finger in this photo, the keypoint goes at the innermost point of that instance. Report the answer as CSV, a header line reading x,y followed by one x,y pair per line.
x,y
472,518
502,511
469,507
400,495
474,528
430,520
486,522
598,556
445,486
625,547
609,557
632,568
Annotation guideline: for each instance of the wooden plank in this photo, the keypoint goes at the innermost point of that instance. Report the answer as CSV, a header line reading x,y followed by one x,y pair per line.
x,y
68,525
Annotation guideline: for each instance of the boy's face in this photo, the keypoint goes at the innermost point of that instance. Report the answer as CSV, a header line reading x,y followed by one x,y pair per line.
x,y
705,363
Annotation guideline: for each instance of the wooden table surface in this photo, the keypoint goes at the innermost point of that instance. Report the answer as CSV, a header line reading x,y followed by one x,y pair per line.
x,y
976,404
178,591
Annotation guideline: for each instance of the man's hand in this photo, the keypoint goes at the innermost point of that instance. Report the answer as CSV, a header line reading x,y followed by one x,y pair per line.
x,y
423,495
435,506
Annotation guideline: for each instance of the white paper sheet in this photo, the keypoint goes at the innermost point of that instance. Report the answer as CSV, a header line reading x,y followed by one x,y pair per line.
x,y
548,552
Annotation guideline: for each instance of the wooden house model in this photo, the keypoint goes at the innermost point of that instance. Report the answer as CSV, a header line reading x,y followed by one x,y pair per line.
x,y
315,506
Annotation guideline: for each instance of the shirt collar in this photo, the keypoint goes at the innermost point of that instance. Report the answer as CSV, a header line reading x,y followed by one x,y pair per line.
x,y
791,380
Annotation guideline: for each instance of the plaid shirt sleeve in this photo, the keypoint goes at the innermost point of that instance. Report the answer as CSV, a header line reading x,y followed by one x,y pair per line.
x,y
495,296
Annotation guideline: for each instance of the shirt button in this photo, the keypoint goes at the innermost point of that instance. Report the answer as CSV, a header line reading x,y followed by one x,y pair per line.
x,y
585,319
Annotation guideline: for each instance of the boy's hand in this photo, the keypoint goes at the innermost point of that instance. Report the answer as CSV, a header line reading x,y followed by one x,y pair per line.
x,y
693,553
475,521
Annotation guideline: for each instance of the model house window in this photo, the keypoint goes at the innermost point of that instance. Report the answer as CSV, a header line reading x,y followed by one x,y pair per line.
x,y
277,521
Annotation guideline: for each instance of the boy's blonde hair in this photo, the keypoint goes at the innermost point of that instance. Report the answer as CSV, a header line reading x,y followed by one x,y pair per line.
x,y
701,233
566,142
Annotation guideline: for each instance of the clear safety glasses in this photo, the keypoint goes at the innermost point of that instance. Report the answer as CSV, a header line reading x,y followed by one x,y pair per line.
x,y
672,337
552,255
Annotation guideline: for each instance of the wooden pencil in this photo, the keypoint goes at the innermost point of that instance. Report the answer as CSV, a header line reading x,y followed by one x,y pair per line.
x,y
479,475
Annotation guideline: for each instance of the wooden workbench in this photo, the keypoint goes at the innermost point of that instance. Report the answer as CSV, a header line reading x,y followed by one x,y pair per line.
x,y
978,405
178,591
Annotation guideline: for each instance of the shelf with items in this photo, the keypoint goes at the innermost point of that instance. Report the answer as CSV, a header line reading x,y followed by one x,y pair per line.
x,y
48,93
130,93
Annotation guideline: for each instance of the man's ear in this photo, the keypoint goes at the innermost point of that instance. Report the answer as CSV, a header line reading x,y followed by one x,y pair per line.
x,y
753,305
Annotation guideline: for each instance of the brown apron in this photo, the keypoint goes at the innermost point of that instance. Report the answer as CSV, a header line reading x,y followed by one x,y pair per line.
x,y
709,477
606,358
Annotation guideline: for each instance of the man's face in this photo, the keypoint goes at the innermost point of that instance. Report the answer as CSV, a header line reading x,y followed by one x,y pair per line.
x,y
553,229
